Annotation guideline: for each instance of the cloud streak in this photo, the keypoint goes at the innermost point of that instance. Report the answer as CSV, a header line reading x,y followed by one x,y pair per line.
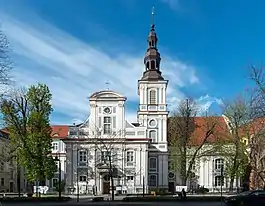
x,y
73,69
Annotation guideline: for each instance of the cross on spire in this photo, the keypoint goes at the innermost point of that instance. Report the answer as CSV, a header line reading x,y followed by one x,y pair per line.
x,y
153,16
107,84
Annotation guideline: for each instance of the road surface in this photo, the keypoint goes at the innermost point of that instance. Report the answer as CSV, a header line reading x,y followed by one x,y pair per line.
x,y
86,203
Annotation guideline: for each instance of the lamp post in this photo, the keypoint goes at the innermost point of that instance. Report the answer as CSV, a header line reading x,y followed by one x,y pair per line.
x,y
222,180
77,176
143,186
60,176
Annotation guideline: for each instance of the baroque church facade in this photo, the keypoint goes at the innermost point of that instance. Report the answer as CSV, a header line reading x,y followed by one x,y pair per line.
x,y
107,149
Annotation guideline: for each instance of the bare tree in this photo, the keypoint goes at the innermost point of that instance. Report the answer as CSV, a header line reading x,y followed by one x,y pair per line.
x,y
256,131
255,135
109,154
184,146
238,114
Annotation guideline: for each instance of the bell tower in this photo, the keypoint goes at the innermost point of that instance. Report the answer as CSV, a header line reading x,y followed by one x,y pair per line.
x,y
152,112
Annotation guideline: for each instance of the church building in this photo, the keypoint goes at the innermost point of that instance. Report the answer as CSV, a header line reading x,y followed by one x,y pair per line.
x,y
107,149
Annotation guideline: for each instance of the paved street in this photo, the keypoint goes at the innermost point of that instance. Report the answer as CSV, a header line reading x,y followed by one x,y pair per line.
x,y
83,203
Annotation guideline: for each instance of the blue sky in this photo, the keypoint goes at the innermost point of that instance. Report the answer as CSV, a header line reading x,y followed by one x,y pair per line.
x,y
76,46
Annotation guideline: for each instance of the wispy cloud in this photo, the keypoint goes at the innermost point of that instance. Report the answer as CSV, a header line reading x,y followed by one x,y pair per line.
x,y
74,69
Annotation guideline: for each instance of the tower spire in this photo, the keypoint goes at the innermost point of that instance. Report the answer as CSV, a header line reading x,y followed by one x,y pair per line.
x,y
152,56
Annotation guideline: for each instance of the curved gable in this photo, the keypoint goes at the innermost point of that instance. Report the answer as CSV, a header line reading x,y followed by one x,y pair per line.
x,y
106,94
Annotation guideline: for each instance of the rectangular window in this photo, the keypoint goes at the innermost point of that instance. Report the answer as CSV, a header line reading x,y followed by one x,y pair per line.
x,y
107,125
105,156
82,178
82,156
2,181
130,158
55,146
72,133
152,135
2,166
152,164
218,181
54,182
152,180
130,178
152,97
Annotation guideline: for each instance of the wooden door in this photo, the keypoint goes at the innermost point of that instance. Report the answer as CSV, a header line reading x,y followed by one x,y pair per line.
x,y
106,187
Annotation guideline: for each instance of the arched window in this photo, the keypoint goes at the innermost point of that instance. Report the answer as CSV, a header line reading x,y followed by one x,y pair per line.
x,y
152,96
152,135
153,65
218,164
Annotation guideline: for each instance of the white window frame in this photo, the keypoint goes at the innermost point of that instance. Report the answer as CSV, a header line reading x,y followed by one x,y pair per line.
x,y
55,146
150,136
152,169
153,96
130,158
150,180
218,181
107,125
152,126
105,156
218,163
82,178
82,156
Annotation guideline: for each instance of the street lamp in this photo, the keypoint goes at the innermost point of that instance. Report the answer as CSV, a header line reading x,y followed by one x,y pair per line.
x,y
60,177
77,176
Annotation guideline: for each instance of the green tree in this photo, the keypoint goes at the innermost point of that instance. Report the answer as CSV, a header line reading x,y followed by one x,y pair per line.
x,y
26,115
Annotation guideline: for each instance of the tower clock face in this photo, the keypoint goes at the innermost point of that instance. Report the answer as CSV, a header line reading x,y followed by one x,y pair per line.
x,y
107,110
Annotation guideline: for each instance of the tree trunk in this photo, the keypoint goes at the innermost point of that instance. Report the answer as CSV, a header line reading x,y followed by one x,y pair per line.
x,y
183,168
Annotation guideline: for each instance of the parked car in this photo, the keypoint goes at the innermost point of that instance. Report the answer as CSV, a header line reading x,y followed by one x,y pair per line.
x,y
247,198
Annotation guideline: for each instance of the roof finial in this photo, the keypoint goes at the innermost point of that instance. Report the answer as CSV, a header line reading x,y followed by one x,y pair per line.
x,y
153,18
107,84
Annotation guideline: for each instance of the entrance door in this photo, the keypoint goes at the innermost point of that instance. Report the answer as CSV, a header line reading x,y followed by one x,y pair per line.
x,y
106,184
11,187
106,187
171,187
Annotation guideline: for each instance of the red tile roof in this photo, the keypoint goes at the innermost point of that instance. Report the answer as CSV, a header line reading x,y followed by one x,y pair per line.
x,y
59,131
202,125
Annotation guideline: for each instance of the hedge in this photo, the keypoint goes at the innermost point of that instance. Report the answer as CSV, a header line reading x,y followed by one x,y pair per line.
x,y
35,199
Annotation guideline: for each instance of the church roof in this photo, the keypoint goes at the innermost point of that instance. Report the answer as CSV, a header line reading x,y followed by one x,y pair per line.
x,y
200,128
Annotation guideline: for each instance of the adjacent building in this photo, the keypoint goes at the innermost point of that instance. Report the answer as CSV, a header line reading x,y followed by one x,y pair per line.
x,y
8,169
